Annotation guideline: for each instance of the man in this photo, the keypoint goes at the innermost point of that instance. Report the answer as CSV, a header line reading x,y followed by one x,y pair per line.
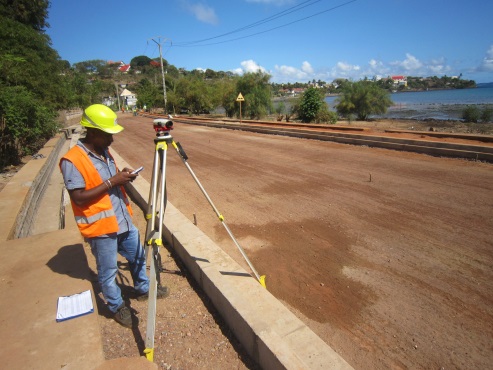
x,y
102,210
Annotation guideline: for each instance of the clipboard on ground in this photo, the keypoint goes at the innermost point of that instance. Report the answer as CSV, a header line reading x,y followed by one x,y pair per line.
x,y
70,307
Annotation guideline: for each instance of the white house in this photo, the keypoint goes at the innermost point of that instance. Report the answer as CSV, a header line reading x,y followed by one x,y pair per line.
x,y
128,98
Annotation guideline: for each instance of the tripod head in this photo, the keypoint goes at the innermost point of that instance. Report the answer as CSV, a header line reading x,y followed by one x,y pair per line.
x,y
162,126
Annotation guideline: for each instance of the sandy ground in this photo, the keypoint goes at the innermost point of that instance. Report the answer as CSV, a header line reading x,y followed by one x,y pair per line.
x,y
386,255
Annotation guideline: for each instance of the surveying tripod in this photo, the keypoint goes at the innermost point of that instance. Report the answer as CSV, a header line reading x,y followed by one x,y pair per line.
x,y
154,230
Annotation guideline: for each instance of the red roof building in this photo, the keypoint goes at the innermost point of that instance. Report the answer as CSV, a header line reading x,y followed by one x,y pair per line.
x,y
124,68
399,80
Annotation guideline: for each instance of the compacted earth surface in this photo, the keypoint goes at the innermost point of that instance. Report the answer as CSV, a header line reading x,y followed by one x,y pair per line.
x,y
386,255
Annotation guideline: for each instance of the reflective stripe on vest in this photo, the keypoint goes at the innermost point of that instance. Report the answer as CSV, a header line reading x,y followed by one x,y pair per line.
x,y
94,218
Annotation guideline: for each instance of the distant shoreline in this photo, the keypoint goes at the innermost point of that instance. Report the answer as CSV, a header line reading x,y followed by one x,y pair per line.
x,y
483,85
436,104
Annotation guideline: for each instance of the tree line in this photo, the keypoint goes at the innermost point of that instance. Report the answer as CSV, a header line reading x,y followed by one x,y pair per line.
x,y
413,83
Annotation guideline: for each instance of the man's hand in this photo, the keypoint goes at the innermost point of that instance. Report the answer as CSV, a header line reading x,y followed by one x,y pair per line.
x,y
123,177
82,196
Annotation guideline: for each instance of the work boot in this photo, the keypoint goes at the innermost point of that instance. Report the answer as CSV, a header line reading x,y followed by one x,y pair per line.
x,y
123,316
162,292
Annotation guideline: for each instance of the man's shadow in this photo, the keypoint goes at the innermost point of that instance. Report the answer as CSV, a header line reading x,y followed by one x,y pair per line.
x,y
71,260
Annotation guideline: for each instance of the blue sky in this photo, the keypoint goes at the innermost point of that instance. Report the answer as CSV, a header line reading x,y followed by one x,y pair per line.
x,y
293,40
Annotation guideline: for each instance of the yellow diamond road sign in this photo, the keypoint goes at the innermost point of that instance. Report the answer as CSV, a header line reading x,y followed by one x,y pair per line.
x,y
240,97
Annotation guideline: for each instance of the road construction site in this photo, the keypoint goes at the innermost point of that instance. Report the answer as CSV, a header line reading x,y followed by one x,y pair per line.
x,y
374,258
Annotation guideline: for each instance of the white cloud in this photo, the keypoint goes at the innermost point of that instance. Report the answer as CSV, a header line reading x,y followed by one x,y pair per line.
x,y
250,66
487,64
202,12
376,68
346,68
306,73
411,63
284,73
409,66
438,67
306,67
412,66
375,64
288,73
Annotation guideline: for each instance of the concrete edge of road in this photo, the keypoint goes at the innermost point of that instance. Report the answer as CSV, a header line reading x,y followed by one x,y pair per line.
x,y
272,335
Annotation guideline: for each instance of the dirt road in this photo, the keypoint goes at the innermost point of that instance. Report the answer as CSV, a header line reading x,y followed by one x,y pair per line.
x,y
386,255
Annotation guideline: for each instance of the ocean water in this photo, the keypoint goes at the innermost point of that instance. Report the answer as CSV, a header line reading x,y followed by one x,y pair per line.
x,y
437,104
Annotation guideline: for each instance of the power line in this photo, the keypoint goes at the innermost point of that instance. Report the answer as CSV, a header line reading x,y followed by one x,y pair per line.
x,y
190,44
262,21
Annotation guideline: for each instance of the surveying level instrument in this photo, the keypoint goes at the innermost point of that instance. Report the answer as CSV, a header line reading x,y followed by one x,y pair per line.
x,y
156,207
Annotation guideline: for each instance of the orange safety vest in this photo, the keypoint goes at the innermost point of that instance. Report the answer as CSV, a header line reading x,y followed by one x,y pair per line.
x,y
96,218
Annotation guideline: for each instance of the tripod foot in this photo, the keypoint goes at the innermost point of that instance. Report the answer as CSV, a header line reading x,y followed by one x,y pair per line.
x,y
149,352
262,281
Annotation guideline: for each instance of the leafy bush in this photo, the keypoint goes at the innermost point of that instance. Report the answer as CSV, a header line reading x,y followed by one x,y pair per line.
x,y
487,114
326,116
471,114
26,124
311,103
363,98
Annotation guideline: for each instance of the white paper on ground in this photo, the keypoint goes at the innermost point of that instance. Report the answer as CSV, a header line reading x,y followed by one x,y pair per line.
x,y
74,305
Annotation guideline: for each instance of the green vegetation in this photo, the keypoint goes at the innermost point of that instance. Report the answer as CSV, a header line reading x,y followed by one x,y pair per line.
x,y
31,88
472,113
313,108
29,123
311,103
487,114
363,98
256,91
386,83
434,82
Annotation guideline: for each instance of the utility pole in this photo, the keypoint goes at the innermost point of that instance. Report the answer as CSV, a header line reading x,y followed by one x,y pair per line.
x,y
162,68
117,96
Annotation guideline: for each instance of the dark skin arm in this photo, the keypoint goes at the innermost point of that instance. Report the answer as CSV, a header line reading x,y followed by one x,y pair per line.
x,y
82,196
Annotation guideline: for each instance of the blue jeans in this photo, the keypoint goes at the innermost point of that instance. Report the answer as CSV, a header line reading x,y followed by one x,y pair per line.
x,y
105,250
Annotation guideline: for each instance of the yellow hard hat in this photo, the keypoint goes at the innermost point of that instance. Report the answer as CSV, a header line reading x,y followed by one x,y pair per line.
x,y
101,117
